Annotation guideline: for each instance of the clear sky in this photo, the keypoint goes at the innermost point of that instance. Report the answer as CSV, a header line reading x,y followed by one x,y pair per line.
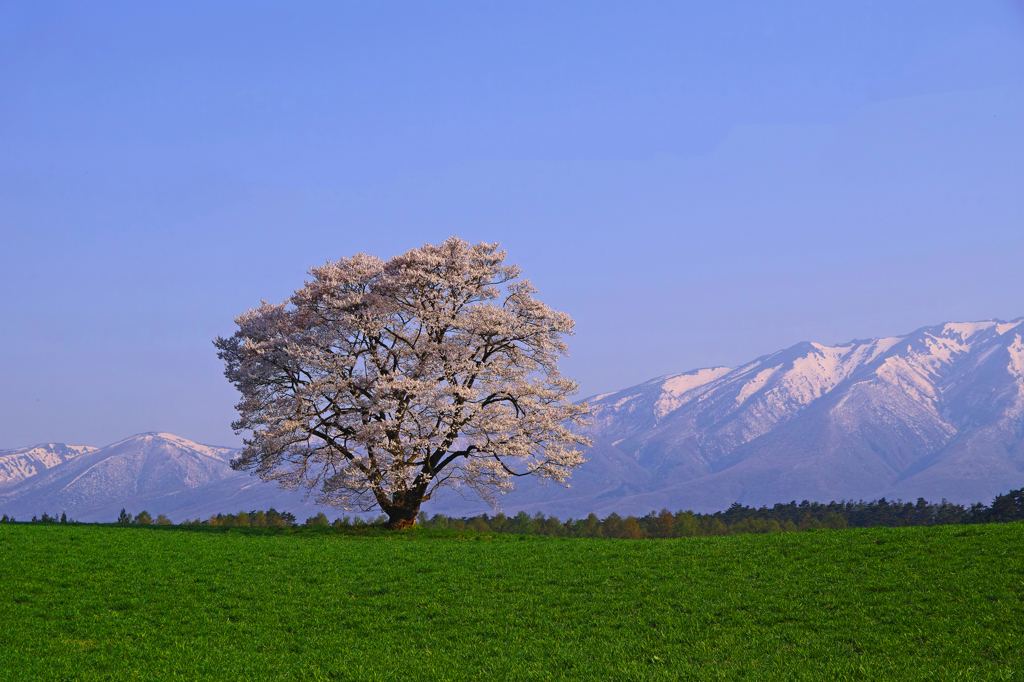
x,y
696,183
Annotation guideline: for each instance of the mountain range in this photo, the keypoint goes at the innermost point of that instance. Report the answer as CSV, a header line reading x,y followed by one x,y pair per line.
x,y
938,413
157,472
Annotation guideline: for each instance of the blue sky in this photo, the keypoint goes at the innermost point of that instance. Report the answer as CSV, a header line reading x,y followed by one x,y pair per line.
x,y
695,183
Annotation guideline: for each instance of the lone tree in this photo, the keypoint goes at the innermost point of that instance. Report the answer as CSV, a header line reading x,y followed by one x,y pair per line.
x,y
377,383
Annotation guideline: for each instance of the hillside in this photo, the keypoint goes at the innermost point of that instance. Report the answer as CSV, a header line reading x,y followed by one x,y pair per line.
x,y
159,472
23,463
938,413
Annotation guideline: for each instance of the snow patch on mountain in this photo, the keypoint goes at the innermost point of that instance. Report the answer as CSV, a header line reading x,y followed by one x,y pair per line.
x,y
677,385
218,453
623,401
966,330
1004,327
756,384
1016,351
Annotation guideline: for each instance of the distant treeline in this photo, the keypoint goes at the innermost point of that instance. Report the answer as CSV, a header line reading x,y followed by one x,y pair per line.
x,y
262,519
737,519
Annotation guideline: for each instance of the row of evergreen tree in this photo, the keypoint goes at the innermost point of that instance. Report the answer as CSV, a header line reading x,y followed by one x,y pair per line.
x,y
736,519
269,519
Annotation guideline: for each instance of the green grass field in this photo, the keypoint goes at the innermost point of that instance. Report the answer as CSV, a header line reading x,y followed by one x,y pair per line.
x,y
127,603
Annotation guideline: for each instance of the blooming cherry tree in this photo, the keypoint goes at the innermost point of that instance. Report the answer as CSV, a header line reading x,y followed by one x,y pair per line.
x,y
377,383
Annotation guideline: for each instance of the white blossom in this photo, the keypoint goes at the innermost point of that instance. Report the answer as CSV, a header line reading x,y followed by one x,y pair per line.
x,y
377,382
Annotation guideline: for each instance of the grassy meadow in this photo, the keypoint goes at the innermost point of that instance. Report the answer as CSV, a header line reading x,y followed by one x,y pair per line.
x,y
81,602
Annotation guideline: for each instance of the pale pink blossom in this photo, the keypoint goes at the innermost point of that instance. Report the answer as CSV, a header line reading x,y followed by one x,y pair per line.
x,y
378,383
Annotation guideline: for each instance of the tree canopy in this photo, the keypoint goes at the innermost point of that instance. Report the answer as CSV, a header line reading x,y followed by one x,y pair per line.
x,y
377,383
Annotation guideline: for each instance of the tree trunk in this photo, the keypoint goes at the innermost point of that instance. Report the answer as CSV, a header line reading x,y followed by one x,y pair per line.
x,y
403,508
400,519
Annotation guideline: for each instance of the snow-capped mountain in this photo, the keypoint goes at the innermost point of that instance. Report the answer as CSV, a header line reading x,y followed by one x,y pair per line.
x,y
935,413
17,465
159,472
938,413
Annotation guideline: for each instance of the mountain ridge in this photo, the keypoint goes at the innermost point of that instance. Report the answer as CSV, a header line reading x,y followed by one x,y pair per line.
x,y
159,472
936,413
19,464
